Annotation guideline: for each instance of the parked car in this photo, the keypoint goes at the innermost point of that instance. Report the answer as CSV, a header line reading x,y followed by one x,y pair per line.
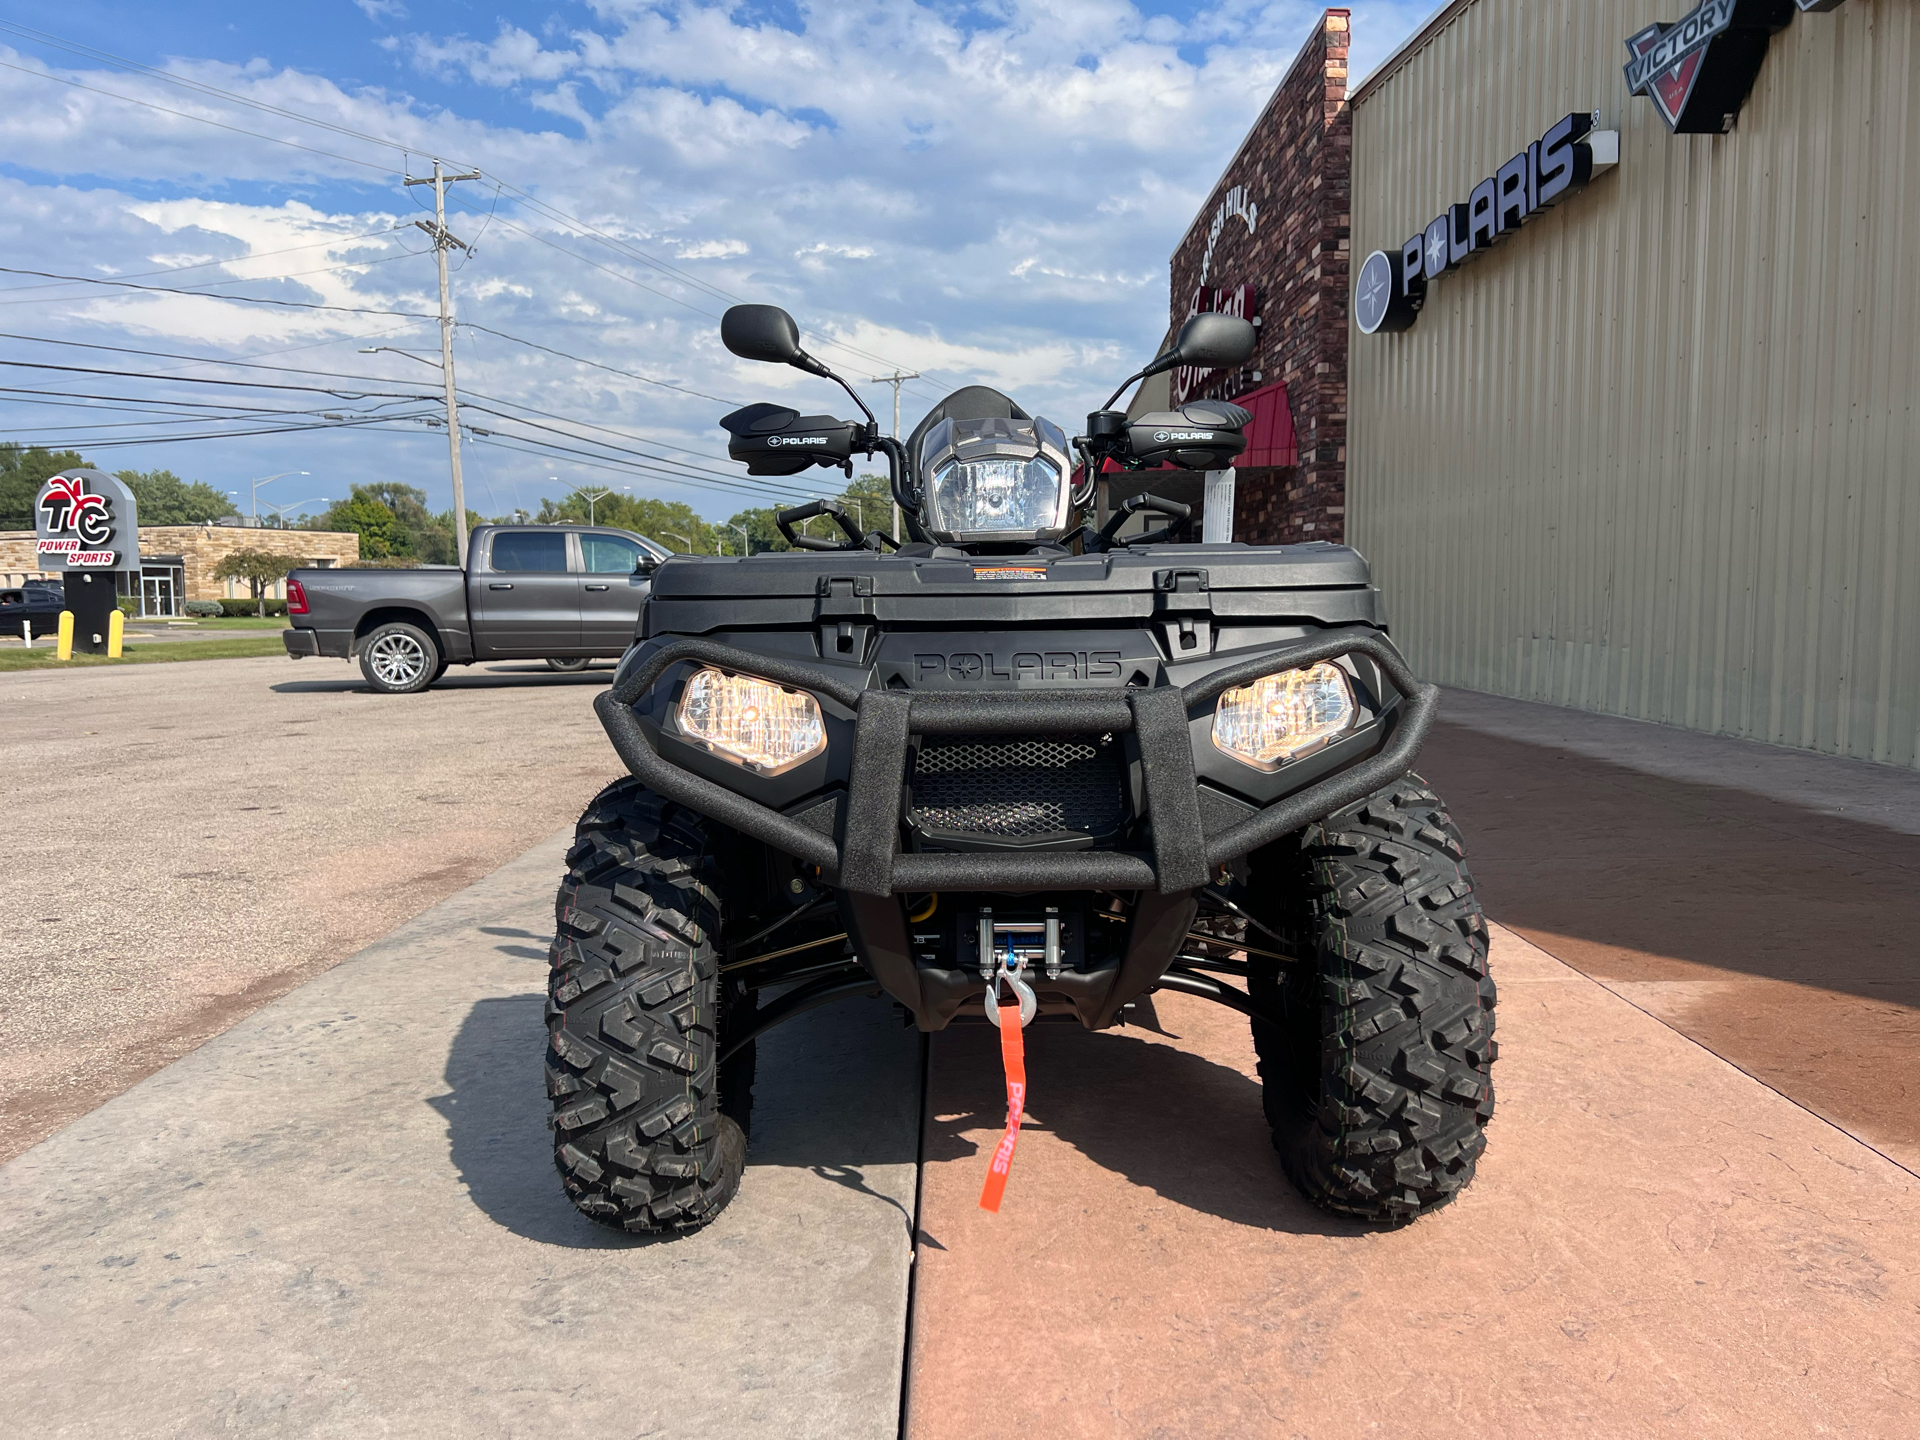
x,y
566,594
35,605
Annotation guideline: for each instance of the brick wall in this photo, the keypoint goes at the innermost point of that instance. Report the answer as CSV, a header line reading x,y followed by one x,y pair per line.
x,y
202,547
1295,166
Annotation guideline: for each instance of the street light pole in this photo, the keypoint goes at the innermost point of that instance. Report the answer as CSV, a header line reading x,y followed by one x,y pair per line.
x,y
267,481
593,498
746,540
281,510
442,240
897,379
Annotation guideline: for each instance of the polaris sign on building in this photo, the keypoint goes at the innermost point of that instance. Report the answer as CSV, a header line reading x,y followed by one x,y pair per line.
x,y
1648,450
1393,283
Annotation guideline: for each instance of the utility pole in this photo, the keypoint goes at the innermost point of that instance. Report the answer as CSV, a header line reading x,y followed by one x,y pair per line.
x,y
897,379
442,239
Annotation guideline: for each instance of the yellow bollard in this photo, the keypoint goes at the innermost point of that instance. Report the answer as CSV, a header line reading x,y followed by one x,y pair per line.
x,y
116,629
64,650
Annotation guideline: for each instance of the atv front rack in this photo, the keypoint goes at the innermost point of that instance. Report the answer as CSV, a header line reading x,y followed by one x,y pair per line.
x,y
868,861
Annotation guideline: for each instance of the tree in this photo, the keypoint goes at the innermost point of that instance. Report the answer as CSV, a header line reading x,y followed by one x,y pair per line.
x,y
392,519
22,473
164,498
669,522
381,532
259,568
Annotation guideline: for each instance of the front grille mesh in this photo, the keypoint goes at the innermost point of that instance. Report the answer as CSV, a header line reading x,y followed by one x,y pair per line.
x,y
1019,786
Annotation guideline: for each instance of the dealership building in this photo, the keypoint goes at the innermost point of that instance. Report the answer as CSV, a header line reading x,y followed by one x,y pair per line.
x,y
1597,329
177,562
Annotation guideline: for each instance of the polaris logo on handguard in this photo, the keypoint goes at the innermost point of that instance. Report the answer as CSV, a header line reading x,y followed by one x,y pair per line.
x,y
1026,665
1161,437
796,440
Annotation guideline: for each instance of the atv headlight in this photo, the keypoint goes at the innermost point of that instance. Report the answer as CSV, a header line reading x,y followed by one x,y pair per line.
x,y
1285,716
752,722
1013,495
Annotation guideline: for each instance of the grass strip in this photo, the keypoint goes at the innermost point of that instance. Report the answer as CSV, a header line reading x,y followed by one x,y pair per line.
x,y
154,653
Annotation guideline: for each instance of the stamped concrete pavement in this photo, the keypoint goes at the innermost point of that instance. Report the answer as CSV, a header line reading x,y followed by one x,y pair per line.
x,y
340,1218
1657,1244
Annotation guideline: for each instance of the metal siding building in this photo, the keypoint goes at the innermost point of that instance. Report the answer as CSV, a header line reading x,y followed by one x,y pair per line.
x,y
1658,453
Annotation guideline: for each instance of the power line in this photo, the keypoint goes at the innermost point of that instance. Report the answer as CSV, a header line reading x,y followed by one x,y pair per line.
x,y
203,295
75,47
182,114
338,392
624,467
110,444
234,280
612,369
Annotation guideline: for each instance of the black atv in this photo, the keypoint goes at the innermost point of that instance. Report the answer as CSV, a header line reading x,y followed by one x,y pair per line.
x,y
1015,756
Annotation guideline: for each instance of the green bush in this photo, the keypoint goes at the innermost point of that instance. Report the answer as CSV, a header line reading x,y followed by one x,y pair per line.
x,y
129,606
243,608
205,609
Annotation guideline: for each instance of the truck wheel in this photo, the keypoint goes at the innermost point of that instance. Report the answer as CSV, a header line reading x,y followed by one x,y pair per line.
x,y
1378,1082
649,1133
398,658
569,665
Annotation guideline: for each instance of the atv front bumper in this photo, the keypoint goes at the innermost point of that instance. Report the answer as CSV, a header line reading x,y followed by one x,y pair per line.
x,y
862,853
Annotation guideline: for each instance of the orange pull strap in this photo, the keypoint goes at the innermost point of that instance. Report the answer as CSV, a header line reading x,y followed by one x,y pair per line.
x,y
1013,1056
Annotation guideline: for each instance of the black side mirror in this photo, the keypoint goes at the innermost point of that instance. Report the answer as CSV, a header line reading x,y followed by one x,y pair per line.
x,y
645,564
1213,342
761,332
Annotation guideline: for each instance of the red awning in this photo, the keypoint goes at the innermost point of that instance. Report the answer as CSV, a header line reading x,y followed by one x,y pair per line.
x,y
1270,438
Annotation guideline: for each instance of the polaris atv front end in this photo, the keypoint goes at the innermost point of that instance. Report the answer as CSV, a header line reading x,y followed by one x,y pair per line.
x,y
1015,752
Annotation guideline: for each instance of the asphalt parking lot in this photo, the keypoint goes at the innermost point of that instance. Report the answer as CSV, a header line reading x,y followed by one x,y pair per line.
x,y
1698,1213
187,842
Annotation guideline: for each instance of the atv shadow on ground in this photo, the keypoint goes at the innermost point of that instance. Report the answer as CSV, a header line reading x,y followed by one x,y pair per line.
x,y
838,1093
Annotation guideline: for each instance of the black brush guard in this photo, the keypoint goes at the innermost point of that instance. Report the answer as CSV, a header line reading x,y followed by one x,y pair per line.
x,y
868,861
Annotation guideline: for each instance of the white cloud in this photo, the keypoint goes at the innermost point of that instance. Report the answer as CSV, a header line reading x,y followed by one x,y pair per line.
x,y
988,193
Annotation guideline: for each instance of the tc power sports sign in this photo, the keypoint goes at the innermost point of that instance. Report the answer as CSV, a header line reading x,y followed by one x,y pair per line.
x,y
85,520
1392,286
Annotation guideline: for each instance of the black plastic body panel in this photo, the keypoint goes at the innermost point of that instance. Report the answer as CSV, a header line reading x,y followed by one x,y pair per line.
x,y
1316,584
1136,645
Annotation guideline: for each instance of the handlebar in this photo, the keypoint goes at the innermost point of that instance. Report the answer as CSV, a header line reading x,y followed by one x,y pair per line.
x,y
1132,506
786,519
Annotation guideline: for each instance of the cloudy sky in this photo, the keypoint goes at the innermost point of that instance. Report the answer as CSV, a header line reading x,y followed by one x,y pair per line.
x,y
979,192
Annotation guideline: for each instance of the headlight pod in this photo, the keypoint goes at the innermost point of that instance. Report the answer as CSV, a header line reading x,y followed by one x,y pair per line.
x,y
1285,716
1012,495
752,722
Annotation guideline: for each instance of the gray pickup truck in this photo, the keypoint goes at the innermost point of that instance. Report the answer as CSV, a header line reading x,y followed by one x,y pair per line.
x,y
566,594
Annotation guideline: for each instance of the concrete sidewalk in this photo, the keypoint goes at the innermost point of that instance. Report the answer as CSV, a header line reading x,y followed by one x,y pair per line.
x,y
341,1218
